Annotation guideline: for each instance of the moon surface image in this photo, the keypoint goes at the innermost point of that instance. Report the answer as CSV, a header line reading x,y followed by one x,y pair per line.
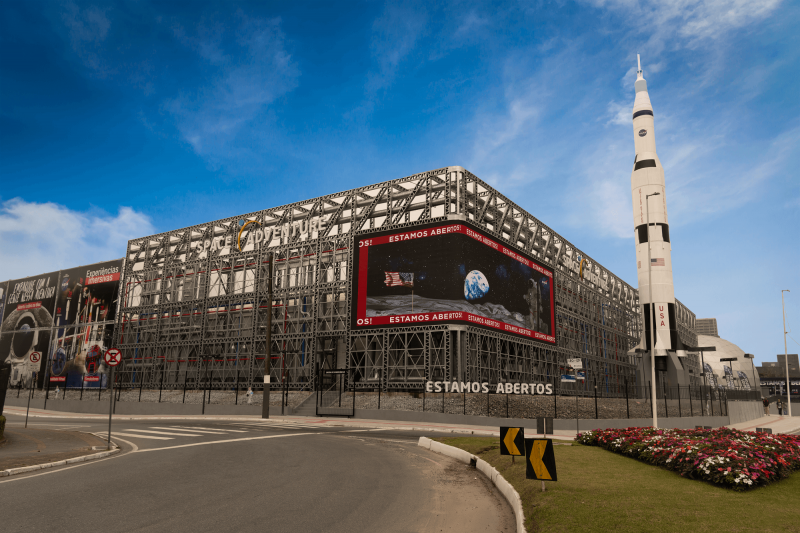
x,y
475,285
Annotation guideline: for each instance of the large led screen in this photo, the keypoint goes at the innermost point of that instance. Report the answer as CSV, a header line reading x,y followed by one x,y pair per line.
x,y
450,273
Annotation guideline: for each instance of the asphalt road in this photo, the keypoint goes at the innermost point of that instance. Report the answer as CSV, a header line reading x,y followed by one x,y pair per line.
x,y
239,476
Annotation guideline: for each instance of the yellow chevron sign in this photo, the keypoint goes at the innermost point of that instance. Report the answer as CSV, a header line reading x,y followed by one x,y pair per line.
x,y
540,460
512,441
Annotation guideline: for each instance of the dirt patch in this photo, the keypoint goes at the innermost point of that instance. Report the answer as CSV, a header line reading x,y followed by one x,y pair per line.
x,y
33,447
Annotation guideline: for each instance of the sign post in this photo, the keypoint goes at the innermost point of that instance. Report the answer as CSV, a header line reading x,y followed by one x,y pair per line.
x,y
30,392
112,357
540,461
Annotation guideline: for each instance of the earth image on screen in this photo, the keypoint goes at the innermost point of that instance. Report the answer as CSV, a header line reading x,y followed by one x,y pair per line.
x,y
475,285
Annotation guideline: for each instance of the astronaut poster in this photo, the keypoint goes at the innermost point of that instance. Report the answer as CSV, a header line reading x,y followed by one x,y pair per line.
x,y
440,273
26,326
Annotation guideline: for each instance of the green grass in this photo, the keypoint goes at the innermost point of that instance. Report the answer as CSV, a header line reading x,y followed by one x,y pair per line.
x,y
601,491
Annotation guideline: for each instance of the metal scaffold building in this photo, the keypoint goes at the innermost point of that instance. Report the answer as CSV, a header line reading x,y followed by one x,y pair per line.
x,y
195,300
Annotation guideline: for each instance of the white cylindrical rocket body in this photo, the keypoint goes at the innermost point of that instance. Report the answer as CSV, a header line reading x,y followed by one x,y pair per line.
x,y
648,178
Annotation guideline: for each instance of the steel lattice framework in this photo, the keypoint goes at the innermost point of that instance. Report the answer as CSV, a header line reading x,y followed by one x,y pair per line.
x,y
195,301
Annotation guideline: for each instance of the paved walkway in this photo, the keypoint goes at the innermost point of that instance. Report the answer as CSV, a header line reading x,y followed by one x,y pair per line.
x,y
464,429
778,424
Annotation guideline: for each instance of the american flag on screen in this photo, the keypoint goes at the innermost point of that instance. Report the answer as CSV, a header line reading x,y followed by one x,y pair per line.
x,y
657,262
399,279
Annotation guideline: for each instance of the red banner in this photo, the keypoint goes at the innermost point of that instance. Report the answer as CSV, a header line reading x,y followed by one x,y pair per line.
x,y
91,378
58,378
450,316
102,279
29,305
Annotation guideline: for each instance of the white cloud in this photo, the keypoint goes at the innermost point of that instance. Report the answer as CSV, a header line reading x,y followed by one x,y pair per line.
x,y
247,80
88,28
704,190
394,35
692,21
43,237
620,114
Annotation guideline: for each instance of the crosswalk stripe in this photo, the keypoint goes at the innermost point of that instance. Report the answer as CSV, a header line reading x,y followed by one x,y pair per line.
x,y
211,430
284,426
366,429
283,422
179,428
171,433
115,434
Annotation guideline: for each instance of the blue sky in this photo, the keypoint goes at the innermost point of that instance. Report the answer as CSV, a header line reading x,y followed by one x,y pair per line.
x,y
122,119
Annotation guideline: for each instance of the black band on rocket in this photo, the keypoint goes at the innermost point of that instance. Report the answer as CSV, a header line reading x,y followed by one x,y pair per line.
x,y
641,232
645,163
643,112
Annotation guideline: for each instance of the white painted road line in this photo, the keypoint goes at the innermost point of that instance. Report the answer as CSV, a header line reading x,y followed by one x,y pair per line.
x,y
223,441
178,428
171,433
114,434
211,430
288,425
362,430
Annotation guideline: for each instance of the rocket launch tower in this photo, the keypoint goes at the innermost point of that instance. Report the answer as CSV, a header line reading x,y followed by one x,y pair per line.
x,y
651,228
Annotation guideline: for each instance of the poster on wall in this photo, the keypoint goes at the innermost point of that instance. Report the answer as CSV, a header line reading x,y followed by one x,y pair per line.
x,y
3,288
26,325
84,320
450,273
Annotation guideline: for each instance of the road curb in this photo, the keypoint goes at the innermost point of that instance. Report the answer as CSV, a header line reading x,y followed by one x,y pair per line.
x,y
505,488
43,466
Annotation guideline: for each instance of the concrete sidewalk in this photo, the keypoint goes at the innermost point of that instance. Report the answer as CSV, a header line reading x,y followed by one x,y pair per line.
x,y
462,429
778,424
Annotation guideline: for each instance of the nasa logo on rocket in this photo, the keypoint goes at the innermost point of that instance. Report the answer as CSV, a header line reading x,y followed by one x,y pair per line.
x,y
642,133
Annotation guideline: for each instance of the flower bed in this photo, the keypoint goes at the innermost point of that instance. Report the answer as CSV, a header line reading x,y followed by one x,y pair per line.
x,y
739,460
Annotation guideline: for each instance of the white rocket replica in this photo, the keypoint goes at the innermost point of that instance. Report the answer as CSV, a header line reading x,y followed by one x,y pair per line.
x,y
647,179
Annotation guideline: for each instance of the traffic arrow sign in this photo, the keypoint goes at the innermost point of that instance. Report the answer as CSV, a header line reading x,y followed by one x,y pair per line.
x,y
541,461
113,357
512,441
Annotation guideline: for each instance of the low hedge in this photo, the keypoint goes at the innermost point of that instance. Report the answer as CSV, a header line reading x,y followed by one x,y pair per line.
x,y
739,460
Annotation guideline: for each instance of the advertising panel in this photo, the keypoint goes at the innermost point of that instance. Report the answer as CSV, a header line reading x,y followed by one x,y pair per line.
x,y
450,273
3,288
27,323
84,320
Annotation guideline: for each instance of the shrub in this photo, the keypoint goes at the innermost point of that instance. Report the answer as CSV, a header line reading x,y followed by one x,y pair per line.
x,y
739,460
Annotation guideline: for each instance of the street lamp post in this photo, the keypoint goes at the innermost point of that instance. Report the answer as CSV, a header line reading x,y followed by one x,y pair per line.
x,y
753,366
786,357
729,360
268,358
702,349
652,313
